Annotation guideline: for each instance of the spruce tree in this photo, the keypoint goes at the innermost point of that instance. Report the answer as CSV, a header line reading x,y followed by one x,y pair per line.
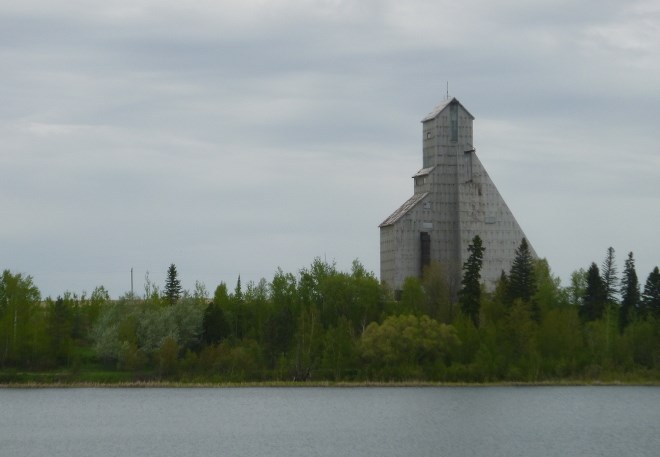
x,y
595,295
470,294
522,280
651,295
609,277
630,297
214,324
172,285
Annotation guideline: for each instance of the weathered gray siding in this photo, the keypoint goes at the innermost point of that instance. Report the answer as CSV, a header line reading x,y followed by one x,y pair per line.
x,y
454,199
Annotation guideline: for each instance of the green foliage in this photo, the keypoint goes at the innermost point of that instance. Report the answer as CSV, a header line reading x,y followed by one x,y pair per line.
x,y
522,279
413,297
172,285
470,293
595,295
651,295
406,344
19,320
630,296
147,325
560,342
339,354
307,343
610,278
577,288
549,295
439,305
518,342
325,324
642,339
168,356
214,325
60,323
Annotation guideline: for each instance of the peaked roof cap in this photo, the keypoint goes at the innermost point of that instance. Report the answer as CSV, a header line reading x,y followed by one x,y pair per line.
x,y
441,107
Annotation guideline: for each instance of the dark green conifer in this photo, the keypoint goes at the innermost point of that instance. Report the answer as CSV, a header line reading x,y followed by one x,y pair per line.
x,y
609,277
172,285
470,294
630,292
595,296
214,325
522,280
651,295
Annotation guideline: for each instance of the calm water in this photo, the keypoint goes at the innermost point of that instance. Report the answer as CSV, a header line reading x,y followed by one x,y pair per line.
x,y
480,421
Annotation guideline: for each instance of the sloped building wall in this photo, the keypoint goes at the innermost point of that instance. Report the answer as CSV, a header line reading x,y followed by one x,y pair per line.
x,y
484,212
454,199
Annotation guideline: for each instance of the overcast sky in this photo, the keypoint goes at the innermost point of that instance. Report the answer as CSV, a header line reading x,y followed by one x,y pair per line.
x,y
233,137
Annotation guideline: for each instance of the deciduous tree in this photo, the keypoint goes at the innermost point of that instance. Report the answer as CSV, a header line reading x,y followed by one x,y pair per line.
x,y
439,304
402,345
19,301
59,330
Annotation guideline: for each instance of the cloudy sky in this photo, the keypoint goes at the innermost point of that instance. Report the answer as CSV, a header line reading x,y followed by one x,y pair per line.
x,y
233,137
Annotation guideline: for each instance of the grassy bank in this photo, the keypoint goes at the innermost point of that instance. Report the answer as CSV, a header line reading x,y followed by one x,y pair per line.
x,y
119,379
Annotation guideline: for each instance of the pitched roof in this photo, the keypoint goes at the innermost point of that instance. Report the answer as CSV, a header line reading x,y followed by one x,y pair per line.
x,y
423,172
403,209
438,109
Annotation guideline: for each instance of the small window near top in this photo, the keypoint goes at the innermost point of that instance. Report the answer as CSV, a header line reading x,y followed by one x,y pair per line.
x,y
428,135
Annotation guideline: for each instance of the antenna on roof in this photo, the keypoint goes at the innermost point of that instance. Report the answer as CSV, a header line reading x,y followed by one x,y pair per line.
x,y
447,90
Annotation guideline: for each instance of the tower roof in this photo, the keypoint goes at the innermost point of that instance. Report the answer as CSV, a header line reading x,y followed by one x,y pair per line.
x,y
441,107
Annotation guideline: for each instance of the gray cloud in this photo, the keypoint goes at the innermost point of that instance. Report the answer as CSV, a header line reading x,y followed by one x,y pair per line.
x,y
235,137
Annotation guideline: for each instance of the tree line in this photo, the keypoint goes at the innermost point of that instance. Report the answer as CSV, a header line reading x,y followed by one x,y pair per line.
x,y
325,324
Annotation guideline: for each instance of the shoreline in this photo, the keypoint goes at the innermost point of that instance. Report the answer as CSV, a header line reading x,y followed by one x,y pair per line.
x,y
319,384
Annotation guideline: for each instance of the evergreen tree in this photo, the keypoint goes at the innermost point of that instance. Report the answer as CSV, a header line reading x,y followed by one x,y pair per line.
x,y
470,294
214,325
651,295
238,292
237,312
630,292
172,285
595,295
609,277
522,280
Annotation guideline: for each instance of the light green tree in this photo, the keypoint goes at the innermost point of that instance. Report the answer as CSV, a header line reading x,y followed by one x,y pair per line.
x,y
413,297
439,304
19,306
402,346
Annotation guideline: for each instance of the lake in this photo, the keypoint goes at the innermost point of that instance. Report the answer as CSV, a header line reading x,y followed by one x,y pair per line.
x,y
306,421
